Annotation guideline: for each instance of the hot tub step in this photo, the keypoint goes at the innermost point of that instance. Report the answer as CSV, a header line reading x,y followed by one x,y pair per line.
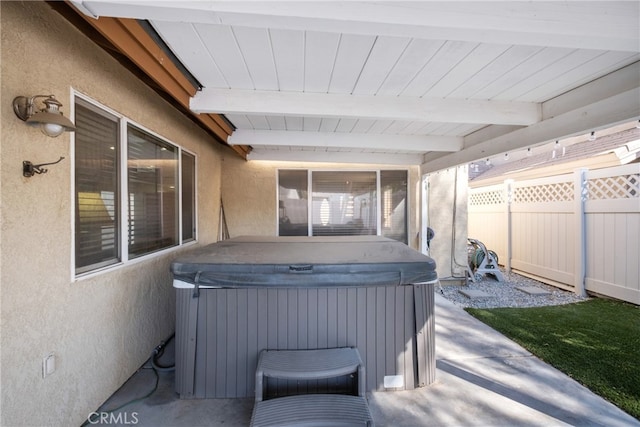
x,y
309,365
312,409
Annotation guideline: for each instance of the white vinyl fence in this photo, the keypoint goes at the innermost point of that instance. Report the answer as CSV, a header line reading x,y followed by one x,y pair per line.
x,y
580,230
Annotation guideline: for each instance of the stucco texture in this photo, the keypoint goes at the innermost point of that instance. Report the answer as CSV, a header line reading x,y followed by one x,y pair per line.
x,y
251,201
101,328
447,215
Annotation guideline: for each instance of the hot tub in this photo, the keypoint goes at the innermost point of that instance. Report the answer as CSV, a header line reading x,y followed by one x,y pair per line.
x,y
237,297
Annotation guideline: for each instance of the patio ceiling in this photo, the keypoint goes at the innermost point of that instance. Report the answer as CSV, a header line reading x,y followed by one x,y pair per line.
x,y
425,83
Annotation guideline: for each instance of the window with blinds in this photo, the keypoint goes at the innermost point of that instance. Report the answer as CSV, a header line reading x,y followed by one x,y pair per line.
x,y
96,189
343,203
132,197
188,196
393,194
292,203
152,176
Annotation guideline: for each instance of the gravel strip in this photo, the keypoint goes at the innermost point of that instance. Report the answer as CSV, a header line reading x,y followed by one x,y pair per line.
x,y
505,294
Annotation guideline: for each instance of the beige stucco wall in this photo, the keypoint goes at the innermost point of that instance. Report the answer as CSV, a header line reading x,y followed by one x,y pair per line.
x,y
101,328
250,194
447,215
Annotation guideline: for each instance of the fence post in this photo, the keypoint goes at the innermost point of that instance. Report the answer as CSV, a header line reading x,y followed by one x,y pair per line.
x,y
580,195
508,188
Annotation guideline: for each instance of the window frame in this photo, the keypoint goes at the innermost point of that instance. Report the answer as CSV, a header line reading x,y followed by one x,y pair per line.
x,y
309,171
123,123
194,238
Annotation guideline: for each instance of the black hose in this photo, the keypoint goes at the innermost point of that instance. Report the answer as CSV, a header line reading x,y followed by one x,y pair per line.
x,y
157,354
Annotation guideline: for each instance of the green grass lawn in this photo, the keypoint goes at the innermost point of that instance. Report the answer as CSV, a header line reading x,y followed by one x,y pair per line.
x,y
596,342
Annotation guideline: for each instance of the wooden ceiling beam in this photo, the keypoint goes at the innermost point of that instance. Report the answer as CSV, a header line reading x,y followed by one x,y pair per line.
x,y
378,107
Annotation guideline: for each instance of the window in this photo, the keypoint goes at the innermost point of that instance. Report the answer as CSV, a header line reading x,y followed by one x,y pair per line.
x,y
96,189
292,200
152,175
188,196
393,188
113,158
342,203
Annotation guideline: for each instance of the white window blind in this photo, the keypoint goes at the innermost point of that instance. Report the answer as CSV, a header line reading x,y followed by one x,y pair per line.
x,y
343,203
96,184
293,203
188,197
393,189
153,193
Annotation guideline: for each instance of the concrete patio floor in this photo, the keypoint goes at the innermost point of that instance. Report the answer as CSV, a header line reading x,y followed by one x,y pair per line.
x,y
482,379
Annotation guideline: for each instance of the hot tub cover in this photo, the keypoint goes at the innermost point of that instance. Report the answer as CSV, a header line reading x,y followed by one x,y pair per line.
x,y
294,261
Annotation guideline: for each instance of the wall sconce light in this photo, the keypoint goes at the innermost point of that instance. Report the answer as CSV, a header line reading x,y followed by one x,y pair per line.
x,y
50,118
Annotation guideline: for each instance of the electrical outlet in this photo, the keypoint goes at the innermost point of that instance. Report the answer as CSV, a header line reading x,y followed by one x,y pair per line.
x,y
48,365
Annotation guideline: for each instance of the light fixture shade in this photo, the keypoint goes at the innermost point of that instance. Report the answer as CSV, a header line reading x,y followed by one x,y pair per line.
x,y
52,124
50,119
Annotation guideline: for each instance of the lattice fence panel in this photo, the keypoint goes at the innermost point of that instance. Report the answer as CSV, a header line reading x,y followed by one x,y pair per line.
x,y
615,187
487,198
557,192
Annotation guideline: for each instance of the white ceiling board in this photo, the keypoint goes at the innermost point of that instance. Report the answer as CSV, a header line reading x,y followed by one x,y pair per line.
x,y
277,123
553,75
319,58
311,124
451,53
542,59
601,66
478,59
447,129
397,127
502,65
222,45
255,48
380,126
431,128
346,125
288,53
414,58
352,54
329,124
382,58
294,122
412,128
186,43
578,59
239,121
464,129
259,122
363,125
